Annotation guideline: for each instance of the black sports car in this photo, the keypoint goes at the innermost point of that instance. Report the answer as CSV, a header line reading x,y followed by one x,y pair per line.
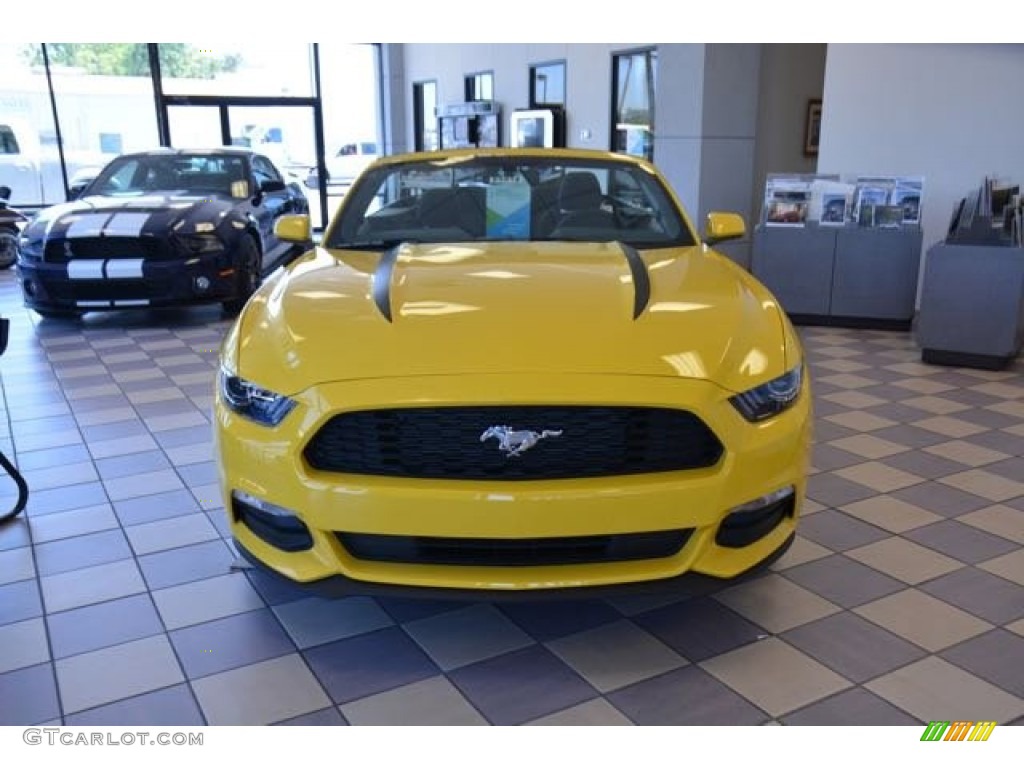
x,y
161,228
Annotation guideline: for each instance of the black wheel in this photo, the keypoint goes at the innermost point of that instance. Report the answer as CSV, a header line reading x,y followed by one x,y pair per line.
x,y
8,248
59,314
248,277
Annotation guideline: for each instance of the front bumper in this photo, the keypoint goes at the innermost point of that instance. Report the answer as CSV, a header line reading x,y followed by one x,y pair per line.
x,y
268,463
126,284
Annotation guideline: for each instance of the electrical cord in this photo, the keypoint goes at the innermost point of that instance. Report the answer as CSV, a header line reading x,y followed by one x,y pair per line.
x,y
9,467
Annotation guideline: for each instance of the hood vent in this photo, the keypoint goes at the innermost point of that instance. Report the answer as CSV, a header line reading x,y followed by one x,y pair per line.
x,y
641,280
382,281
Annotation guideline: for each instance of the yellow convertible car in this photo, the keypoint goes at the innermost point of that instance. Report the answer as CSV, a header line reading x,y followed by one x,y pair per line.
x,y
512,372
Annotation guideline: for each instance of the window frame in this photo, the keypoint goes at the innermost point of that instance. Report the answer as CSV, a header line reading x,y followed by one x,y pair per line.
x,y
419,116
535,103
471,81
651,55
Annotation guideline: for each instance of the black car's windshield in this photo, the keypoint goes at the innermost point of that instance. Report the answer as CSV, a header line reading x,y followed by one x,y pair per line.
x,y
527,198
179,174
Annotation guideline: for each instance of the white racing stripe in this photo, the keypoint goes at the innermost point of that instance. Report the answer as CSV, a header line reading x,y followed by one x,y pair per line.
x,y
87,225
126,224
124,268
132,303
85,269
92,303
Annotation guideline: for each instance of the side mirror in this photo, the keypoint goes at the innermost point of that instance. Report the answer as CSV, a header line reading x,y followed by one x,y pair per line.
x,y
295,228
75,190
724,226
272,185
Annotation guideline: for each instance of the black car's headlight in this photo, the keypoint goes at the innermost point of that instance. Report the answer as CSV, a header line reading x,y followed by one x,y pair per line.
x,y
253,401
30,250
202,243
771,398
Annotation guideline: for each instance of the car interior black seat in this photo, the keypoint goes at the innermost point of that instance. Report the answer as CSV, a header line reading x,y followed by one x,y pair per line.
x,y
579,202
460,208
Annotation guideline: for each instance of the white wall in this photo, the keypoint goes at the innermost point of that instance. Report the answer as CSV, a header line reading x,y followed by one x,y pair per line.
x,y
791,74
952,113
587,74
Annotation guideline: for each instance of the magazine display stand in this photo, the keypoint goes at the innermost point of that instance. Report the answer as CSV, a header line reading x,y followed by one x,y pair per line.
x,y
839,252
972,293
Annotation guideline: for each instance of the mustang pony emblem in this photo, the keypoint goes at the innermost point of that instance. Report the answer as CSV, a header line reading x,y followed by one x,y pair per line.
x,y
515,441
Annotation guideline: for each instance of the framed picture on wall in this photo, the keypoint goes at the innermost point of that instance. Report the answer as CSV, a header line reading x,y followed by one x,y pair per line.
x,y
812,128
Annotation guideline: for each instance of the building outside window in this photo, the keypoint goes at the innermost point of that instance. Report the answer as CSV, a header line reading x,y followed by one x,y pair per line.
x,y
424,115
547,84
634,74
480,86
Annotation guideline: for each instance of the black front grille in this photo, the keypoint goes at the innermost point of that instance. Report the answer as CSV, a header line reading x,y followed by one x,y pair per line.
x,y
567,550
107,290
445,443
115,247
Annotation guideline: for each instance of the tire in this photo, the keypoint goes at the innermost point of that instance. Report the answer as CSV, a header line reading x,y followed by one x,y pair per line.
x,y
8,247
248,277
59,314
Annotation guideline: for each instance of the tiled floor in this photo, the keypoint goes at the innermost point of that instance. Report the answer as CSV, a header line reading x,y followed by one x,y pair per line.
x,y
901,601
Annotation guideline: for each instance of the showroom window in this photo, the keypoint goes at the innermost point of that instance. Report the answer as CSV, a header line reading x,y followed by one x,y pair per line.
x,y
424,115
480,86
634,74
547,84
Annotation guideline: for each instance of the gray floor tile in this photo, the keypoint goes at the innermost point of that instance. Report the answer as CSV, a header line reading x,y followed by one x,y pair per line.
x,y
700,628
130,464
143,484
941,499
963,542
239,696
19,601
995,656
158,506
201,601
833,491
75,522
322,717
117,672
688,696
521,686
457,638
185,564
839,531
313,621
28,696
433,701
83,551
14,534
361,666
173,706
843,581
976,591
64,499
547,621
85,586
98,626
170,533
235,641
16,565
23,644
852,707
855,648
53,457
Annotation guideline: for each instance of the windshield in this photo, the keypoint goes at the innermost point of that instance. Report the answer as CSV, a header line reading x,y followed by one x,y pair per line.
x,y
484,198
177,174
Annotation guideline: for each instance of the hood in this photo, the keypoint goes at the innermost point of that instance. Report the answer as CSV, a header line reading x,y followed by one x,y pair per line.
x,y
511,308
157,214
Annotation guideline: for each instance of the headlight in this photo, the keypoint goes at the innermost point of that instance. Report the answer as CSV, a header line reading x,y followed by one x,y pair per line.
x,y
252,401
770,399
31,250
204,243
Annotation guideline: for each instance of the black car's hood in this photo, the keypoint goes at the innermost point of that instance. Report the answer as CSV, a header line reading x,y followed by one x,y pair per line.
x,y
112,216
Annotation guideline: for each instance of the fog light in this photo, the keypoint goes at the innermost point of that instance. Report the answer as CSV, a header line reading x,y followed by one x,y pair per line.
x,y
275,525
202,284
754,520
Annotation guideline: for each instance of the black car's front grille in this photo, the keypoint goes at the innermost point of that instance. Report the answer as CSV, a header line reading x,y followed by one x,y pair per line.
x,y
566,550
107,290
60,251
447,443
